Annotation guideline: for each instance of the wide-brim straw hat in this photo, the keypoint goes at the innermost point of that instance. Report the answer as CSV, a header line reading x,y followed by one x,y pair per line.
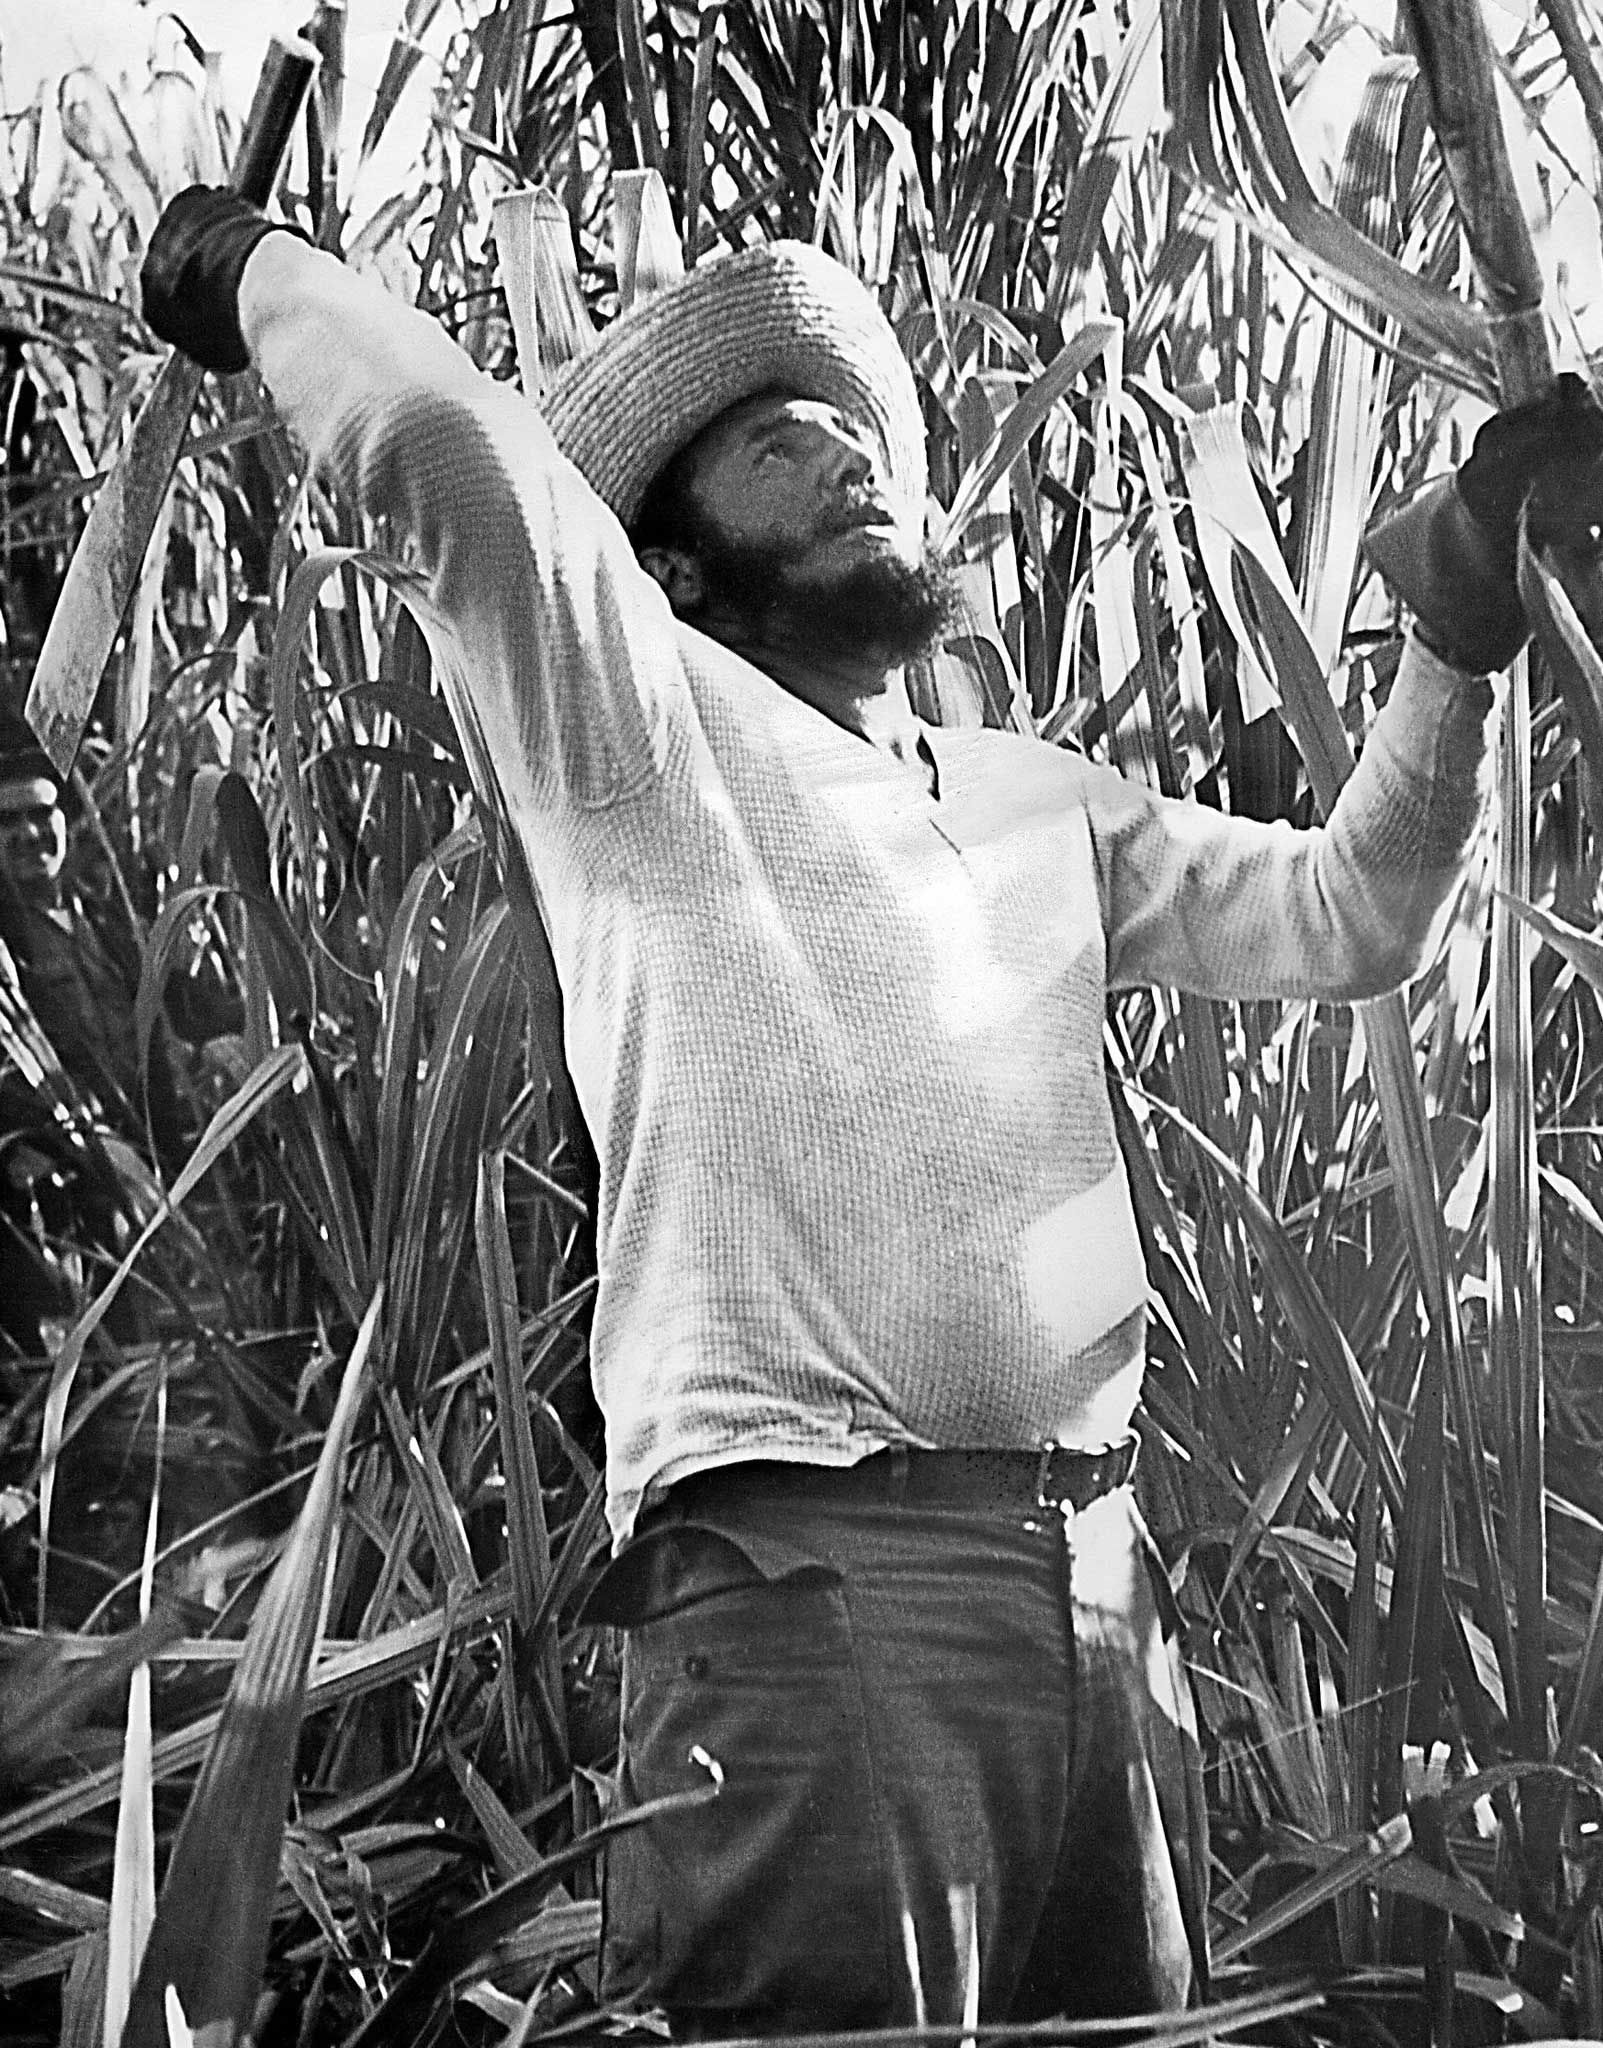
x,y
778,315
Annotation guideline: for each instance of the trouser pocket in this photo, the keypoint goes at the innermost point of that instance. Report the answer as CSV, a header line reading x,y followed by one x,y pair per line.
x,y
766,1906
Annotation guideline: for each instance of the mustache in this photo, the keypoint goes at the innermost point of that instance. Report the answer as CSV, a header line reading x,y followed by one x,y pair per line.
x,y
855,509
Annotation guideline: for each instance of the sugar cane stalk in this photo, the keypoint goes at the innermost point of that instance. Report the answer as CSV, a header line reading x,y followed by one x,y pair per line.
x,y
1455,58
1456,68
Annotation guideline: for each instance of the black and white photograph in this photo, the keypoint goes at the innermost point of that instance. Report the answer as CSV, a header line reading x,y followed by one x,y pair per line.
x,y
801,1023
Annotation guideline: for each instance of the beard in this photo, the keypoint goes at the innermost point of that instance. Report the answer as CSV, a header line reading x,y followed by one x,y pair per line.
x,y
883,603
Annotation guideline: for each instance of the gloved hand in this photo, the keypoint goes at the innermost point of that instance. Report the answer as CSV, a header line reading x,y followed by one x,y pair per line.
x,y
1452,554
189,279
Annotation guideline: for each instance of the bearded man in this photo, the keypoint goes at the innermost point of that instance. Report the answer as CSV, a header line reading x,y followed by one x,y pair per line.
x,y
869,1329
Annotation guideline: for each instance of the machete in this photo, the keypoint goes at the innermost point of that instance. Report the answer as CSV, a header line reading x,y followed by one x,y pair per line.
x,y
106,565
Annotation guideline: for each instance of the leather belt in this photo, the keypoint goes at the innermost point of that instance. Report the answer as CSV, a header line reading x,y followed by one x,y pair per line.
x,y
1056,1476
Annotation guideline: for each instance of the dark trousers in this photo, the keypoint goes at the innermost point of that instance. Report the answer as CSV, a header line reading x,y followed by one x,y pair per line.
x,y
957,1747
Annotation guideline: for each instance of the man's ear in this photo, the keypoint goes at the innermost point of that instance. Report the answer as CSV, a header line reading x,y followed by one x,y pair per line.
x,y
679,576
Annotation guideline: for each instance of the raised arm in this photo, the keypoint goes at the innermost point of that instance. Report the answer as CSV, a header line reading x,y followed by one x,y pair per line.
x,y
1359,906
546,635
1227,907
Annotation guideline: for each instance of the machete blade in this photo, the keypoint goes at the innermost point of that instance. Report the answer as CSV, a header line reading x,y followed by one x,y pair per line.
x,y
106,566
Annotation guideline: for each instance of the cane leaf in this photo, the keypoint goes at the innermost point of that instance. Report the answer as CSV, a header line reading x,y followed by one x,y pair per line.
x,y
209,1939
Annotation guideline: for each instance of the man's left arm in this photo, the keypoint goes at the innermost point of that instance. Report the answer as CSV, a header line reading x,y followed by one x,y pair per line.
x,y
1223,906
1359,905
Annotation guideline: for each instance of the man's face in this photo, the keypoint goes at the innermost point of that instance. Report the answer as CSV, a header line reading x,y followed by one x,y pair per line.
x,y
33,834
781,473
797,537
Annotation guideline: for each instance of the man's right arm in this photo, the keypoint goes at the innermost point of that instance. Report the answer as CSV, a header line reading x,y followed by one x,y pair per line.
x,y
540,622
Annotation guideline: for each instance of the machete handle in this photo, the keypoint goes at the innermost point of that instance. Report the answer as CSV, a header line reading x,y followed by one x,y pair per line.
x,y
287,74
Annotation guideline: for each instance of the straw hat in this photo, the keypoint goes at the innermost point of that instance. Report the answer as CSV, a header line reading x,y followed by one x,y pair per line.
x,y
779,314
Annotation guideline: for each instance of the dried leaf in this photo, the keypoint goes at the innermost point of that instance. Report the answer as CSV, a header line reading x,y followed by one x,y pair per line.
x,y
645,245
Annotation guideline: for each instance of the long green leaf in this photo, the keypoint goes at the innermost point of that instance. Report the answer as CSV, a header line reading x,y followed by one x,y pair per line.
x,y
1352,385
465,1940
1222,81
1360,1864
49,1690
406,52
345,1675
1021,422
528,1536
274,1073
1583,950
133,1878
412,932
1322,1338
210,1936
1327,753
1514,1236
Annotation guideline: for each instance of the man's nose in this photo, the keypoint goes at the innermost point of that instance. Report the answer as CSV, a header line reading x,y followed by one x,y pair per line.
x,y
847,460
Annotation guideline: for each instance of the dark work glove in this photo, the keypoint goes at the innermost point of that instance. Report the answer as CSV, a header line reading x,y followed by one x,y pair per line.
x,y
190,276
1453,553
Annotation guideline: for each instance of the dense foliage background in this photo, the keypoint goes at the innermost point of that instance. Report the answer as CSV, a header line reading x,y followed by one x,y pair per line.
x,y
299,1487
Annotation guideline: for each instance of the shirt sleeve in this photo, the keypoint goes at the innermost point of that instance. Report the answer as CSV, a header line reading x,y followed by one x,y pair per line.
x,y
1195,899
547,637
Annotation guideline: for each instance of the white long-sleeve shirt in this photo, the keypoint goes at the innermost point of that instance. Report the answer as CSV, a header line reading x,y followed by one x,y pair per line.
x,y
839,1041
